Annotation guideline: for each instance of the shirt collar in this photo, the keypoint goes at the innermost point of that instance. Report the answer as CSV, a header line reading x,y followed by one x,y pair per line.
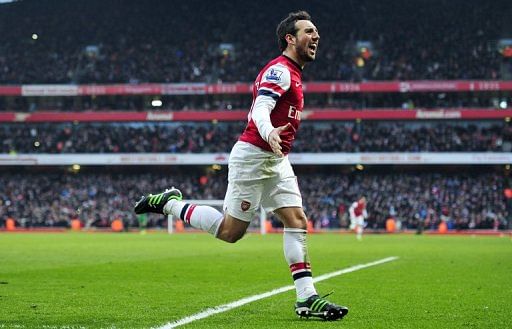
x,y
293,62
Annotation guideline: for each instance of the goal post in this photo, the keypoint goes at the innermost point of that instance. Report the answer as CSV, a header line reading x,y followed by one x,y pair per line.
x,y
262,215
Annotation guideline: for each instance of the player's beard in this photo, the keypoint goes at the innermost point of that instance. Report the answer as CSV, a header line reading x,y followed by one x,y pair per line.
x,y
304,54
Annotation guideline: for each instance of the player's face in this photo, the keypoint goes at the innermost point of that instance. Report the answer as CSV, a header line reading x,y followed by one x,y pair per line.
x,y
307,39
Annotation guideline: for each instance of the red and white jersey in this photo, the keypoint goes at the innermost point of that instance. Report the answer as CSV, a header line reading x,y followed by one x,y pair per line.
x,y
281,80
358,209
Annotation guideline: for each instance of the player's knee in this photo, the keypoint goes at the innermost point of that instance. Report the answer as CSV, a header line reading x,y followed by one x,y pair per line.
x,y
231,229
296,219
302,221
231,237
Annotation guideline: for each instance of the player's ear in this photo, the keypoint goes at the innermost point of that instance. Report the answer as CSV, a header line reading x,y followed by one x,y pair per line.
x,y
290,38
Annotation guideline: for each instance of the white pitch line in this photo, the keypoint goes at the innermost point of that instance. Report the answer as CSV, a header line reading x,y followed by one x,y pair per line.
x,y
226,307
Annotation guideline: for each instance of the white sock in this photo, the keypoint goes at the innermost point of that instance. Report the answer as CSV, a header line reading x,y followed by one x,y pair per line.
x,y
205,218
295,252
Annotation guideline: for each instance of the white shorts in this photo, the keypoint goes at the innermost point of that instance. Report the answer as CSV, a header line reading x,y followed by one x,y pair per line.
x,y
257,177
356,221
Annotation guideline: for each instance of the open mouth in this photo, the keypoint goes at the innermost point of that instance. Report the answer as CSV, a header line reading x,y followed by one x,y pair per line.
x,y
313,47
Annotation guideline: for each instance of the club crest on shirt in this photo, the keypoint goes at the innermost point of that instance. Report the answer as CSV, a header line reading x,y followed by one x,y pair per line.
x,y
245,205
274,75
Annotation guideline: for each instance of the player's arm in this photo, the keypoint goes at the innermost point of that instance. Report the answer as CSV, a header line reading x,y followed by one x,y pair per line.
x,y
274,83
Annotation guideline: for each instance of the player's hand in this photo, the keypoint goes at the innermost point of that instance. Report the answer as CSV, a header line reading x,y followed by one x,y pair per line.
x,y
274,139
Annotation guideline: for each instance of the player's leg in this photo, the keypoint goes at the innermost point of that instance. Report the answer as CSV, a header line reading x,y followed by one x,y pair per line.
x,y
295,250
242,198
241,203
170,202
359,227
223,226
206,218
282,196
232,229
352,223
359,232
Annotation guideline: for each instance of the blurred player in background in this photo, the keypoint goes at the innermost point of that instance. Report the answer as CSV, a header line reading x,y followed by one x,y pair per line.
x,y
143,222
259,170
358,214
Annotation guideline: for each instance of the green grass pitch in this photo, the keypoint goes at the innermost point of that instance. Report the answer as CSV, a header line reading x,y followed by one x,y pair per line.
x,y
126,280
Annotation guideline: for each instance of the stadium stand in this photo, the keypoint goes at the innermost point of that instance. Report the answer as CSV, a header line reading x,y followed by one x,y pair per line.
x,y
316,137
326,99
430,81
53,198
110,42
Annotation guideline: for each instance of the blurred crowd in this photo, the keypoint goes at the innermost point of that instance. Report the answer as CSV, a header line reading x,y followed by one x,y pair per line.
x,y
111,41
53,199
463,200
317,137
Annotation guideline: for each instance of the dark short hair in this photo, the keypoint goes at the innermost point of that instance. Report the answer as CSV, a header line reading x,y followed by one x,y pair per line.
x,y
287,26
